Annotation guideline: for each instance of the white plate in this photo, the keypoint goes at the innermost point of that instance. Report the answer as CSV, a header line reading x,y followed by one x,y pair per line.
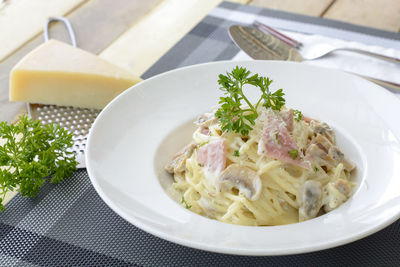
x,y
139,131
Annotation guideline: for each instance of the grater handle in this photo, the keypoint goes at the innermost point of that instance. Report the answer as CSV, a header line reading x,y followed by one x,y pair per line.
x,y
67,25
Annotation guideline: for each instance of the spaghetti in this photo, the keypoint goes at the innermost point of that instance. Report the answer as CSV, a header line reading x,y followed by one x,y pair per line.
x,y
285,171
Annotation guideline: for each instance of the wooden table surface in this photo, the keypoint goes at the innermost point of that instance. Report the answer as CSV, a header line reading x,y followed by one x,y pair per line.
x,y
134,33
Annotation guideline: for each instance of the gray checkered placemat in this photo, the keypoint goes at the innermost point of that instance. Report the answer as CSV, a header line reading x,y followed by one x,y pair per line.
x,y
69,225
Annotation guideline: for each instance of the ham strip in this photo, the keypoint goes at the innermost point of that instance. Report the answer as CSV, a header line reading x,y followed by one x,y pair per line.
x,y
287,117
212,156
276,141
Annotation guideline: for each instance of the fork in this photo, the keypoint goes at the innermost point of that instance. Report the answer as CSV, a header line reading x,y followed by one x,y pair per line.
x,y
316,51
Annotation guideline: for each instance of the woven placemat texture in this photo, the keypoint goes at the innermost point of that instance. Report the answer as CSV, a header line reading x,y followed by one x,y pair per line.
x,y
69,225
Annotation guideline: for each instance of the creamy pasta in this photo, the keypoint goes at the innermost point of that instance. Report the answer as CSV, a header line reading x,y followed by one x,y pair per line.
x,y
287,169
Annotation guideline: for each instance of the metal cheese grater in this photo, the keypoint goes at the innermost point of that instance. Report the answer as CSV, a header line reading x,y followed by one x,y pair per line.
x,y
76,120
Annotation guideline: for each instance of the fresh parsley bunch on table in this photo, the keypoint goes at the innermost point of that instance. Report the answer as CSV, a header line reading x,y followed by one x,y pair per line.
x,y
31,154
231,114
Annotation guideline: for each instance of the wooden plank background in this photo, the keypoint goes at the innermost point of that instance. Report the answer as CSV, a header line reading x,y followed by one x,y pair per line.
x,y
135,33
382,14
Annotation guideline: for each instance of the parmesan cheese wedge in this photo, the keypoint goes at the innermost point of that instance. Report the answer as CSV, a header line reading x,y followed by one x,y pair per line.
x,y
57,73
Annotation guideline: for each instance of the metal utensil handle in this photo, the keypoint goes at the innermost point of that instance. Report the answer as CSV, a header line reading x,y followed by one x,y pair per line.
x,y
389,85
380,56
67,25
284,38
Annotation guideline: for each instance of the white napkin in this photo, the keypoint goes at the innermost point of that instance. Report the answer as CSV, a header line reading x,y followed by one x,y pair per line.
x,y
349,61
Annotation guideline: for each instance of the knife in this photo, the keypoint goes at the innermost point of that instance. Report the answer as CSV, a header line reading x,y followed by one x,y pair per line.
x,y
259,45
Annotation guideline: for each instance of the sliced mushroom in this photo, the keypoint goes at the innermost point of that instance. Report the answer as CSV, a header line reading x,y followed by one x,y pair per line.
x,y
335,194
318,156
323,129
322,142
343,186
244,179
206,120
338,156
311,200
322,152
178,163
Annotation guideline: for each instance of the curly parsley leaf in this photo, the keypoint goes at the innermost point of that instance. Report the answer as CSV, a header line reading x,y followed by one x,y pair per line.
x,y
31,154
297,115
293,153
277,138
231,114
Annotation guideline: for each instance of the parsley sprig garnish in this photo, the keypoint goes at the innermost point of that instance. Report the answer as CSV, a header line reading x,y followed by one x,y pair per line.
x,y
297,115
31,154
231,114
